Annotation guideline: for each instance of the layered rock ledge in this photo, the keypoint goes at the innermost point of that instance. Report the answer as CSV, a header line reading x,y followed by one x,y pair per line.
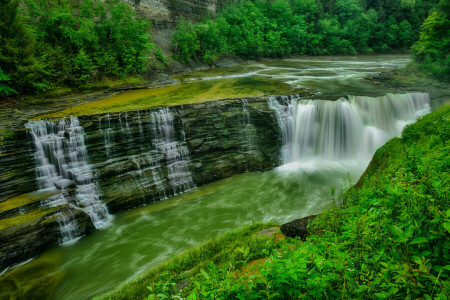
x,y
215,139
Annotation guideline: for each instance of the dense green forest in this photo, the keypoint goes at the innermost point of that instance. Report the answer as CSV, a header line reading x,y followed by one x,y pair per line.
x,y
386,237
45,45
49,44
432,50
279,28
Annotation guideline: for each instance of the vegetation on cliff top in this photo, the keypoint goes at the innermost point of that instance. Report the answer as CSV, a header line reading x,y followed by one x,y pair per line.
x,y
388,236
432,50
46,45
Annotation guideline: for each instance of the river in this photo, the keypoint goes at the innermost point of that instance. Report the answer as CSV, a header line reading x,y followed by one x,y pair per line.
x,y
144,237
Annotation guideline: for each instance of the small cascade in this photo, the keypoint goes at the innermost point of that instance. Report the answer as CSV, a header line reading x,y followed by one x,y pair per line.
x,y
108,135
343,129
175,152
247,124
62,163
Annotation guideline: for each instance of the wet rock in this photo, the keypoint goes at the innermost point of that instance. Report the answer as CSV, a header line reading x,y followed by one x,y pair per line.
x,y
27,235
64,184
298,227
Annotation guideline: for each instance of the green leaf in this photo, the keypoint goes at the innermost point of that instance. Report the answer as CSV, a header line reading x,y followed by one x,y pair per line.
x,y
447,226
204,274
419,240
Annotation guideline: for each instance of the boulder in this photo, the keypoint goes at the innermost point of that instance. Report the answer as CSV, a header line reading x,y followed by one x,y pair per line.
x,y
298,227
64,184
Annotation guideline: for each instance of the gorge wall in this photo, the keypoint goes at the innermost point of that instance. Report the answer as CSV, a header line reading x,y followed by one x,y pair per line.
x,y
164,13
57,175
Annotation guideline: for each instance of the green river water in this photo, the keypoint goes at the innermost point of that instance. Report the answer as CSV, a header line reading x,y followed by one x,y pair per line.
x,y
144,237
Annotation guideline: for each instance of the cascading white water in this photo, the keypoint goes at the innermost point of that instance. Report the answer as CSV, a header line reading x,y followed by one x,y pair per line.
x,y
343,129
175,152
248,126
62,163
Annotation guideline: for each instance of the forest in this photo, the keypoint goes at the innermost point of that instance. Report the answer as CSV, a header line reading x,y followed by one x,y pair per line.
x,y
308,27
45,45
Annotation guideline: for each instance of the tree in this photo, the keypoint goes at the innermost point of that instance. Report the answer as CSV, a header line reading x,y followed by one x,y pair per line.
x,y
20,67
432,48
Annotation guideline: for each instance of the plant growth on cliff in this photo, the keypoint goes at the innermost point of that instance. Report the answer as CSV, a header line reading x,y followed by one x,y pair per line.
x,y
279,28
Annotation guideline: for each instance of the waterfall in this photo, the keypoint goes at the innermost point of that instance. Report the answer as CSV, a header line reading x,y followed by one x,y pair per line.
x,y
62,163
175,152
343,129
249,130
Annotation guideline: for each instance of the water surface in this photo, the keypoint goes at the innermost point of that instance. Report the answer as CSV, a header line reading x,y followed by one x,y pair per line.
x,y
142,238
329,77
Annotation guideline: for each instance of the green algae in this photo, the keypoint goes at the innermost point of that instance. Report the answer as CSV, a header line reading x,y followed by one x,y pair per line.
x,y
25,199
186,92
29,217
222,71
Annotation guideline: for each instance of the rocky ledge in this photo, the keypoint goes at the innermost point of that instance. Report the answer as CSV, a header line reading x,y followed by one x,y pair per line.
x,y
134,159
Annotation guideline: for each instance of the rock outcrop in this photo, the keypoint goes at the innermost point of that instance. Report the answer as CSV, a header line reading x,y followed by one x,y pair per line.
x,y
164,13
298,227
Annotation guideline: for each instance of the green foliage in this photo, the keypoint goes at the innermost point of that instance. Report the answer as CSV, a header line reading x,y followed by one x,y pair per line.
x,y
21,68
63,43
5,89
432,48
185,41
279,28
387,238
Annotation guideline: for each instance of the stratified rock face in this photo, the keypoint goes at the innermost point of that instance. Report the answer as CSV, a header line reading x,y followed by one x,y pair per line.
x,y
17,168
28,234
144,156
133,159
166,12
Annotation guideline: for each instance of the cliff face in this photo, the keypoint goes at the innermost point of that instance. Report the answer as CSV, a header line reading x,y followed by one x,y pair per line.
x,y
164,13
123,160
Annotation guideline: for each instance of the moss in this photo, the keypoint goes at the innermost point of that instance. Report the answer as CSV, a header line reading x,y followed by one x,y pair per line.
x,y
29,217
25,200
183,93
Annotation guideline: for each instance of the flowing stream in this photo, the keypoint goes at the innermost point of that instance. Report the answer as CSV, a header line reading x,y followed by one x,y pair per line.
x,y
326,144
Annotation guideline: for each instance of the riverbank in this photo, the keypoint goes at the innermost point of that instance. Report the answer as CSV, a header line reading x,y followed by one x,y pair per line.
x,y
388,236
411,78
